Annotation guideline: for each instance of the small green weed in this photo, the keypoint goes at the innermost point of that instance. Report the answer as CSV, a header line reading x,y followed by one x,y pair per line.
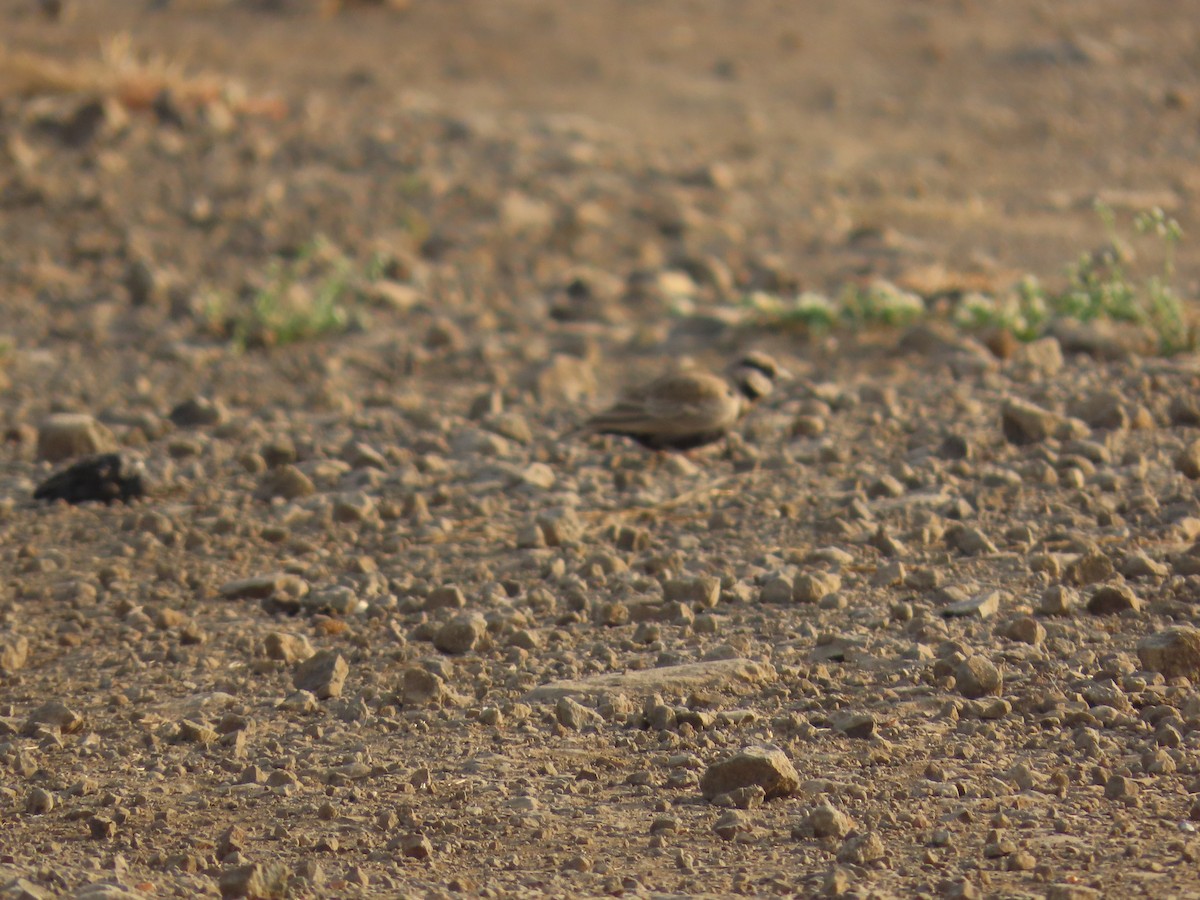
x,y
318,292
880,303
1100,286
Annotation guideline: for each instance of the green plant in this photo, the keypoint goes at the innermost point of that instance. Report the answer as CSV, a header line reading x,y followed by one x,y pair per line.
x,y
880,303
317,292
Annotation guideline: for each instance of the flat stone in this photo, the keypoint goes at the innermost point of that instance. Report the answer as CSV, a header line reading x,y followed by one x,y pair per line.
x,y
767,767
719,674
983,605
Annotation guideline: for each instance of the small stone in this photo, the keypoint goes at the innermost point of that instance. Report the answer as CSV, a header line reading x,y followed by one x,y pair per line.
x,y
701,593
1188,460
14,652
196,733
1072,892
1025,629
969,541
64,435
1025,423
288,648
38,802
574,715
824,821
197,412
1138,565
855,725
976,676
1058,600
1112,599
416,846
254,881
730,824
286,482
323,674
1175,652
1119,787
767,767
107,478
420,687
55,714
812,586
777,589
861,849
102,828
560,526
983,605
461,634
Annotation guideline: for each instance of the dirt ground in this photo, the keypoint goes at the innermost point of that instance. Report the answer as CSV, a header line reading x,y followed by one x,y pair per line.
x,y
386,625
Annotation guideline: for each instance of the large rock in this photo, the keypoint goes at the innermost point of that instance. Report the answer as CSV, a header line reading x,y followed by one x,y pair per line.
x,y
765,767
1174,652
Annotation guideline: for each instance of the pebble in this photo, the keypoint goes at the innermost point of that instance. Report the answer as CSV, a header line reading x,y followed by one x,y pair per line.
x,y
767,767
322,674
65,435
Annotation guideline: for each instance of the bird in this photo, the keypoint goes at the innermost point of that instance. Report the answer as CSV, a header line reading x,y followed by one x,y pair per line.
x,y
687,409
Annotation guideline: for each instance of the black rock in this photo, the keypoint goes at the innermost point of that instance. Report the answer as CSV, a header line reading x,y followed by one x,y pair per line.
x,y
105,478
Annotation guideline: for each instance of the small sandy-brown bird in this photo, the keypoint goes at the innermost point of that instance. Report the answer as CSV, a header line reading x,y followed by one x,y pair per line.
x,y
688,409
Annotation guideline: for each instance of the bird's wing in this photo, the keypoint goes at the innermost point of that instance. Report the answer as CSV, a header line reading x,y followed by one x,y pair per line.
x,y
677,404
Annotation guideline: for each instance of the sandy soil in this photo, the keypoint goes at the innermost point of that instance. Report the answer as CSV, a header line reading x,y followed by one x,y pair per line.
x,y
384,625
